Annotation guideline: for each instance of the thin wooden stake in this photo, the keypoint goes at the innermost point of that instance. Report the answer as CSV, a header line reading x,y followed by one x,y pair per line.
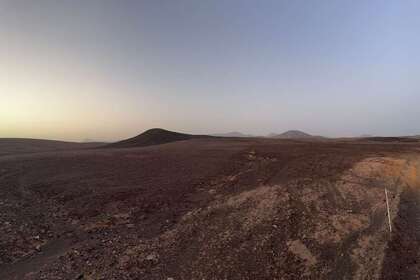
x,y
387,207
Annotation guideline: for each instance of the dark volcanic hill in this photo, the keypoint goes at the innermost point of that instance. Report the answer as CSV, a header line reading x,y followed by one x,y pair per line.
x,y
292,134
154,136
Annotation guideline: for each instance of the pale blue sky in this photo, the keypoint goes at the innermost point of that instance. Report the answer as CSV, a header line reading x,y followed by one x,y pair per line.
x,y
107,70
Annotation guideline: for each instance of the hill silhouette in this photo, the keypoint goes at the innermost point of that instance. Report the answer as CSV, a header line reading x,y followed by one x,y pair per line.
x,y
154,136
292,134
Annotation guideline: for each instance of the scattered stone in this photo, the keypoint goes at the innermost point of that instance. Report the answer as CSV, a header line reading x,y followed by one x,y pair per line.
x,y
153,257
124,260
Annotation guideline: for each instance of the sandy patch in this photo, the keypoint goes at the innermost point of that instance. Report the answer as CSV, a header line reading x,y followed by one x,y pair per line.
x,y
301,251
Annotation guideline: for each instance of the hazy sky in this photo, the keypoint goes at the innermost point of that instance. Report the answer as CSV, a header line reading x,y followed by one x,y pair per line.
x,y
107,70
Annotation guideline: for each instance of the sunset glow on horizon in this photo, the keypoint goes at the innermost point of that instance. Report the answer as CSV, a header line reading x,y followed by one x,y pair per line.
x,y
108,70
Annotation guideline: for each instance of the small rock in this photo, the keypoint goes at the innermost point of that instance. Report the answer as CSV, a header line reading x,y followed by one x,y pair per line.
x,y
154,257
124,259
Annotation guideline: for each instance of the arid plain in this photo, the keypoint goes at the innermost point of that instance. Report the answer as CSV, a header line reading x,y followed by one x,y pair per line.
x,y
211,208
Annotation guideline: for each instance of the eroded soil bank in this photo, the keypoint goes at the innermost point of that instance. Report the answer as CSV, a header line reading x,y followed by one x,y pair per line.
x,y
402,256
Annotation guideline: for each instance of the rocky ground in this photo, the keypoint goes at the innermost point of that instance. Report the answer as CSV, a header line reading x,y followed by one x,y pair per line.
x,y
212,209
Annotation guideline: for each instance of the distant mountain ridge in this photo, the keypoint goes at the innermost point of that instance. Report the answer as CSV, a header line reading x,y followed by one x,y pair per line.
x,y
292,134
391,139
29,145
154,136
409,138
233,134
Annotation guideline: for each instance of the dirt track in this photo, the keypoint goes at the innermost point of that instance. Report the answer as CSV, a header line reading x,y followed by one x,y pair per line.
x,y
211,209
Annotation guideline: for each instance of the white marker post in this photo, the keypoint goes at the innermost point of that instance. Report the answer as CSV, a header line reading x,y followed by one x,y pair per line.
x,y
387,207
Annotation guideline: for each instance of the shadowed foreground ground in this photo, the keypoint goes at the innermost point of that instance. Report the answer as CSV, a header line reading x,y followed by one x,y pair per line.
x,y
212,209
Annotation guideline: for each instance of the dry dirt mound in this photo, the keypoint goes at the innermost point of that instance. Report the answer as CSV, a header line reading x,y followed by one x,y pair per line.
x,y
154,136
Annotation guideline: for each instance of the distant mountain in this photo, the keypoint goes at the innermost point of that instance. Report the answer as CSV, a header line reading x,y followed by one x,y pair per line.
x,y
233,134
292,134
391,139
410,138
154,136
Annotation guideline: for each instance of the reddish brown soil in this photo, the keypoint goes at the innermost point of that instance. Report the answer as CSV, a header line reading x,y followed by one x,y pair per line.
x,y
403,255
13,146
211,209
